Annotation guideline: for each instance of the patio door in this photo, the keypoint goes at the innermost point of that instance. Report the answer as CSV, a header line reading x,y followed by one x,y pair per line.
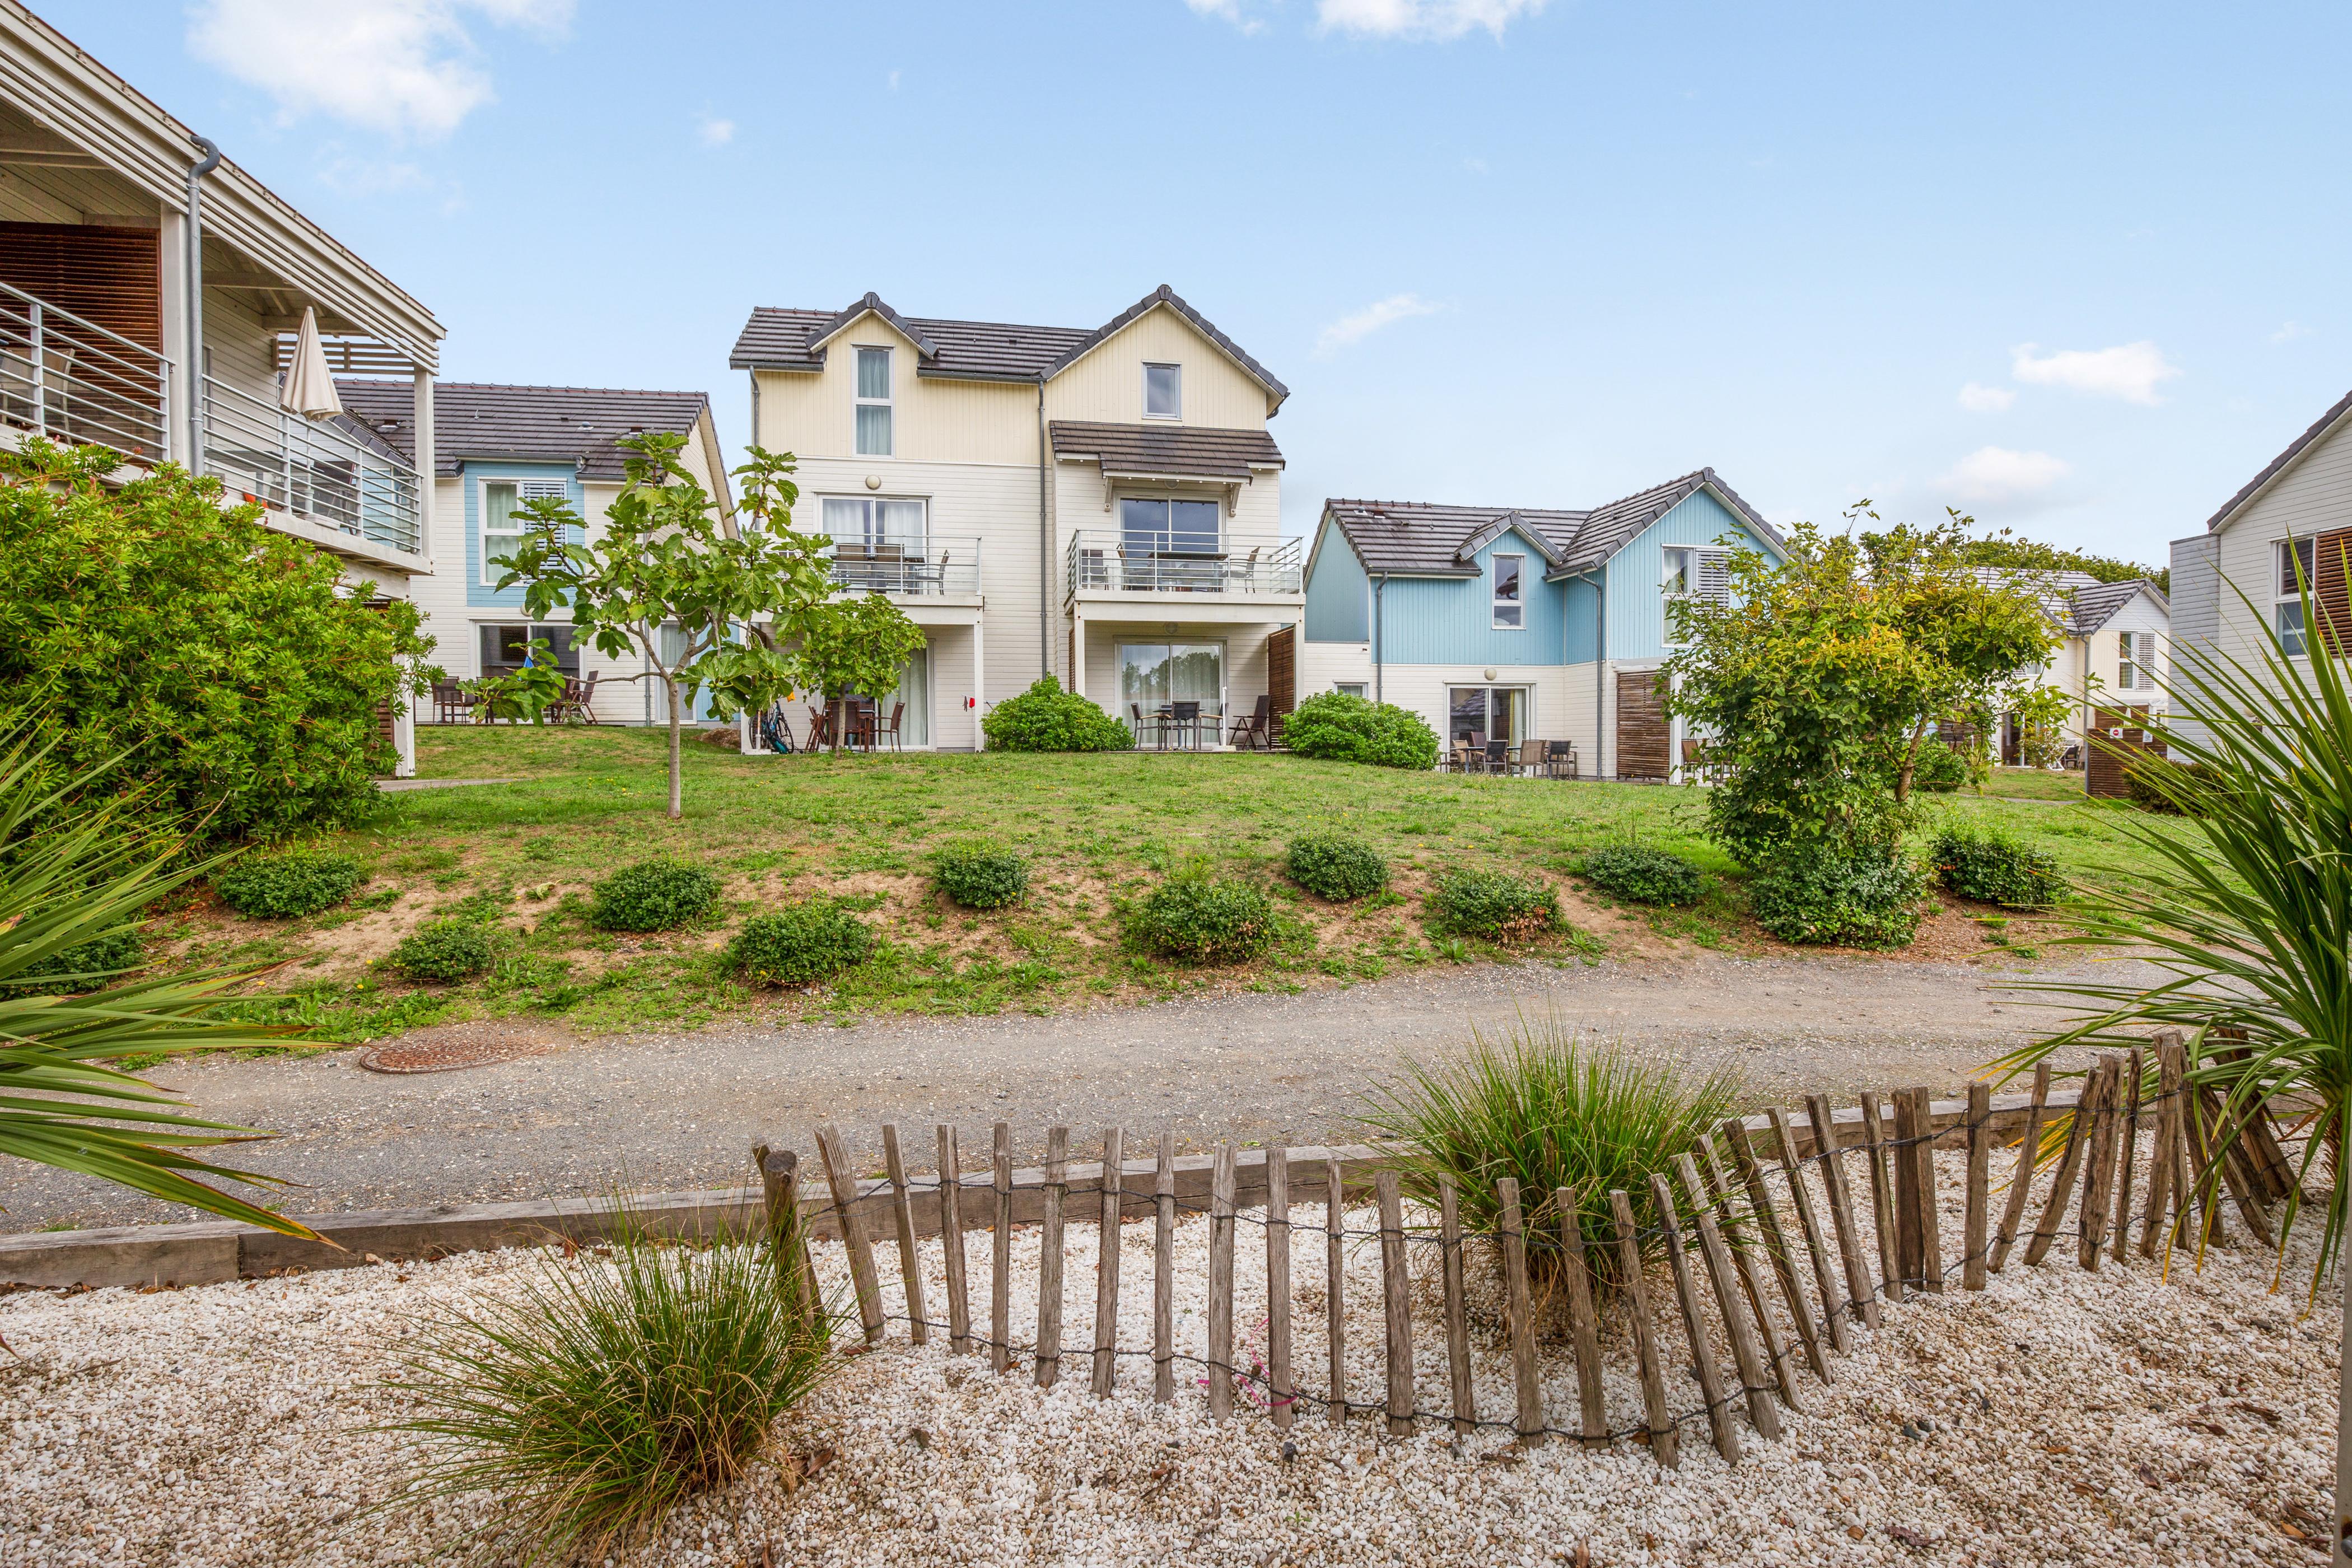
x,y
1478,714
914,690
1153,675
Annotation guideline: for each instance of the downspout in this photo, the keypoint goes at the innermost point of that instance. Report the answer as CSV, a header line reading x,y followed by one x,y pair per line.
x,y
1599,658
1379,639
195,270
1045,550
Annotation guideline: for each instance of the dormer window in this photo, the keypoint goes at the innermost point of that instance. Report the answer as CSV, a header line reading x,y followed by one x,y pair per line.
x,y
873,403
1163,392
1511,572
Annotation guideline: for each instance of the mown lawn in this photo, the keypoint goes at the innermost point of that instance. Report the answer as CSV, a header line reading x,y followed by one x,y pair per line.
x,y
1098,830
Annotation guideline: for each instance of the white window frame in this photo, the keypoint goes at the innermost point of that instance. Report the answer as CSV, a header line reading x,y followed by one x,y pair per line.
x,y
1494,600
2135,661
2285,594
886,402
526,488
1352,688
1176,370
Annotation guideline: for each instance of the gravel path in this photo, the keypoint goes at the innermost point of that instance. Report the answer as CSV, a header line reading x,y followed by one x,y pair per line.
x,y
676,1111
2068,1418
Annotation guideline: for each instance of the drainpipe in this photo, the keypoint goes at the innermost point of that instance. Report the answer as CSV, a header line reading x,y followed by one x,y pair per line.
x,y
1045,550
1380,640
1600,659
195,269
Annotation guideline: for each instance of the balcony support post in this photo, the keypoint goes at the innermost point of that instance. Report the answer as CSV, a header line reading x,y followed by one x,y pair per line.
x,y
422,457
40,371
979,690
194,272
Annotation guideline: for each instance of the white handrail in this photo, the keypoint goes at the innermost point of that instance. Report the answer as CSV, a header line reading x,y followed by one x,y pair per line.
x,y
309,468
66,377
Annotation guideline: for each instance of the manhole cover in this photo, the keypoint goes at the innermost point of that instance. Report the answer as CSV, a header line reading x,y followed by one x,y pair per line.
x,y
456,1046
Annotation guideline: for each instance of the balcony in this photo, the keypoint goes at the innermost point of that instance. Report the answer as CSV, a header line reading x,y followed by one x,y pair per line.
x,y
1102,560
72,380
331,472
933,567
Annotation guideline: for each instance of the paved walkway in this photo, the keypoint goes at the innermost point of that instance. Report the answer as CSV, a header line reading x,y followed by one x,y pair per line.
x,y
665,1111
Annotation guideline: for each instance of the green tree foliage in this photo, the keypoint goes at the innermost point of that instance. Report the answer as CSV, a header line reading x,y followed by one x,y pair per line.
x,y
856,648
1047,719
1820,680
669,555
218,654
1345,727
2026,555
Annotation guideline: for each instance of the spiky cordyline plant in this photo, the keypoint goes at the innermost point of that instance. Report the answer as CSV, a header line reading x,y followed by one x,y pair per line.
x,y
70,875
2249,912
616,1382
1554,1112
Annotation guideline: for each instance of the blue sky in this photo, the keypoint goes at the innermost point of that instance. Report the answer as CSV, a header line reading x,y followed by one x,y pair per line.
x,y
2079,269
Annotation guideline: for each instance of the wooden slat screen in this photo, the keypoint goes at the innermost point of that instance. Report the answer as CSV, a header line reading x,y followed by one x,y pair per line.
x,y
1282,670
113,277
2109,756
2331,555
1643,733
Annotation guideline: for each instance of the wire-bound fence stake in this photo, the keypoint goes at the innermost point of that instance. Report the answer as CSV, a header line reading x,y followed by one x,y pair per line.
x,y
1583,1325
1761,1412
1710,1376
1834,1314
2021,1184
2062,1189
1335,1295
1221,1283
1645,1337
1972,1233
1280,1390
951,1239
1396,1302
1922,1155
1511,1231
1049,1257
1163,1273
1881,1196
1113,1176
1457,1318
1859,1294
1000,1285
2091,1219
854,1242
902,1211
2134,1076
1776,1245
1744,1258
2165,1153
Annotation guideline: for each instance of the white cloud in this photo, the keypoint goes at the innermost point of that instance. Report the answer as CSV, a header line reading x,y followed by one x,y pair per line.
x,y
716,132
1437,20
894,82
1381,314
2290,331
1977,399
339,170
399,66
1226,11
1475,165
1995,476
2128,371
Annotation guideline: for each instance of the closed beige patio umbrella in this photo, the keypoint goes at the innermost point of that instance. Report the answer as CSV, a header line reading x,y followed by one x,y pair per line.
x,y
310,388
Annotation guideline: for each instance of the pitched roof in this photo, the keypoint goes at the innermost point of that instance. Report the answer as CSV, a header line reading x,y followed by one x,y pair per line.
x,y
786,338
2276,465
2095,605
1176,451
2076,603
1424,539
576,425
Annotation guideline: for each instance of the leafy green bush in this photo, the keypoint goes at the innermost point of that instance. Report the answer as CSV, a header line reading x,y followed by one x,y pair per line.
x,y
1201,920
1553,1114
102,962
285,887
1841,901
653,895
980,875
1345,727
445,951
1496,905
1642,875
1994,868
226,657
2159,785
1939,770
1047,719
800,945
609,1389
1337,865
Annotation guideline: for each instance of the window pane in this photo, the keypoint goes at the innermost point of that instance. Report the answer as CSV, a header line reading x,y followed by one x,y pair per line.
x,y
1508,617
1467,707
1677,571
1193,525
2293,553
902,522
844,519
1143,677
1509,706
874,372
1507,577
1143,525
1196,673
503,646
873,430
560,647
2290,626
1163,396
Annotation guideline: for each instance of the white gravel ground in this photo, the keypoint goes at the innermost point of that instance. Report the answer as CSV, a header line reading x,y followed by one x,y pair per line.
x,y
2077,1417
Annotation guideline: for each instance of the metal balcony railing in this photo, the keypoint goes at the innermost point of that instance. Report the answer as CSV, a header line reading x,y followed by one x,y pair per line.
x,y
1106,560
320,470
73,380
932,566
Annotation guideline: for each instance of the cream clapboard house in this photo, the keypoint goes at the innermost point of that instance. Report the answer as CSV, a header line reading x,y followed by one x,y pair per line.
x,y
1101,504
2114,642
2291,523
496,448
150,289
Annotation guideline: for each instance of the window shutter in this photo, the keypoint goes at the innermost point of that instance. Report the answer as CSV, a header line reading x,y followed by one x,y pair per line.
x,y
544,490
1714,582
2331,593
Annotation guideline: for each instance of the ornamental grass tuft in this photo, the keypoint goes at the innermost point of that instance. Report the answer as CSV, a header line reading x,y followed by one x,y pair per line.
x,y
613,1387
1554,1112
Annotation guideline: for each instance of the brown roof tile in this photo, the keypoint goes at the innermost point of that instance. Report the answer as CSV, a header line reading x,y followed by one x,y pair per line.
x,y
576,425
1175,450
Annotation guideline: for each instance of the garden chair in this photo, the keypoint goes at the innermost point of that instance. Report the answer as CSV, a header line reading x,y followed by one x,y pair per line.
x,y
452,703
1469,758
897,712
1184,719
1559,759
1143,726
576,705
820,728
1250,729
1530,760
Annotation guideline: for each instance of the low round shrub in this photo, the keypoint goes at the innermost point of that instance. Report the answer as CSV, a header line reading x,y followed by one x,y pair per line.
x,y
1202,921
1047,719
1337,865
1496,905
1343,728
800,945
443,950
1838,899
288,885
1992,867
2160,784
653,895
980,875
109,956
1940,769
1641,875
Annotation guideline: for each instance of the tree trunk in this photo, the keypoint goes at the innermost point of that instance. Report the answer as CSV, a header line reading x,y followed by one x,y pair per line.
x,y
1910,763
677,794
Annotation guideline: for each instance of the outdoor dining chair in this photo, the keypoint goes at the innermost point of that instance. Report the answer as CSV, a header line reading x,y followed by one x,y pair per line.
x,y
1250,729
1184,720
1560,759
1145,727
820,728
890,731
1530,759
452,703
576,705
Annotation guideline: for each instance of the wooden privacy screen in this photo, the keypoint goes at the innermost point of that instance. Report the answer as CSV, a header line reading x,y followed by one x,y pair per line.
x,y
1282,670
2331,564
2111,755
113,277
1642,733
1766,1276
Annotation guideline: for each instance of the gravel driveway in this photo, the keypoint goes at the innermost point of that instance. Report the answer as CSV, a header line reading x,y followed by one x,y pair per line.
x,y
656,1111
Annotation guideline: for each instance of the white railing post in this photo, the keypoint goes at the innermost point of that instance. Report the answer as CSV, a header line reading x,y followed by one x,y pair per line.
x,y
40,376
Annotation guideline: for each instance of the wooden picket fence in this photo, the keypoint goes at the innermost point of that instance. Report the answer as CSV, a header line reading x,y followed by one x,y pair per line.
x,y
1733,1189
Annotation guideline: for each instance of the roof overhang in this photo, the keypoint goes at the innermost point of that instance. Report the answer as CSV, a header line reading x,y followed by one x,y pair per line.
x,y
871,305
2279,466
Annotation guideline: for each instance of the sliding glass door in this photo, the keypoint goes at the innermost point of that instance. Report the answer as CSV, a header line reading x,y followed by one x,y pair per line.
x,y
1153,675
1477,714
